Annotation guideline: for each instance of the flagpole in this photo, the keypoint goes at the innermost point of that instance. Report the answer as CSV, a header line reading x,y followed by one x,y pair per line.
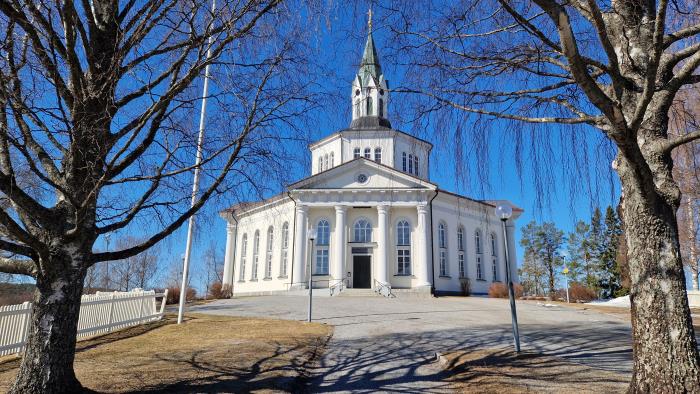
x,y
195,183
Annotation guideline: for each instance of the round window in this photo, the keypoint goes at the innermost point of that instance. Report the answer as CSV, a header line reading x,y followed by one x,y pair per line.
x,y
361,178
357,92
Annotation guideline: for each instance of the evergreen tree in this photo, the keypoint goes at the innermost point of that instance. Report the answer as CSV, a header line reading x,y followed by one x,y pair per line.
x,y
544,242
611,279
577,246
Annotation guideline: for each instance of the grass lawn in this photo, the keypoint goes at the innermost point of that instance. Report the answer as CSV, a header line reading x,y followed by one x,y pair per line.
x,y
207,354
501,371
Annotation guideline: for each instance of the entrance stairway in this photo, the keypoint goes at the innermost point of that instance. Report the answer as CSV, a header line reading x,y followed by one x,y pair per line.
x,y
348,292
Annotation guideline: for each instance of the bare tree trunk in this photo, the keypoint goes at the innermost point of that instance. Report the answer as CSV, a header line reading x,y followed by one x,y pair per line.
x,y
692,243
665,355
47,366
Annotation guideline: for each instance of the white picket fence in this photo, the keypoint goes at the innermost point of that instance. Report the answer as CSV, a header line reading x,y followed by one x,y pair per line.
x,y
100,313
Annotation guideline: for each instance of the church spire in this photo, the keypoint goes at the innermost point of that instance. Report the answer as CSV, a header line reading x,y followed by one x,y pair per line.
x,y
370,92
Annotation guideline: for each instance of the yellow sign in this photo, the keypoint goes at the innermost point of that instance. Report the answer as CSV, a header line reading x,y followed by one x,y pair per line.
x,y
566,270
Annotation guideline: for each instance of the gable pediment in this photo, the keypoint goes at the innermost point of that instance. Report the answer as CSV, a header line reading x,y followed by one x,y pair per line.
x,y
351,175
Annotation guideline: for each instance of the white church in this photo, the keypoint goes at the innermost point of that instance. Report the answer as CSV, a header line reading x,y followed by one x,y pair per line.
x,y
368,217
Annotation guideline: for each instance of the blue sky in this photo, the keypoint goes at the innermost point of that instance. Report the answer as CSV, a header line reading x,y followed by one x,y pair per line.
x,y
546,190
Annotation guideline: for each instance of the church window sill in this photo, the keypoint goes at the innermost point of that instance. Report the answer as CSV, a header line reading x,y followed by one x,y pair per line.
x,y
319,275
481,280
445,276
405,275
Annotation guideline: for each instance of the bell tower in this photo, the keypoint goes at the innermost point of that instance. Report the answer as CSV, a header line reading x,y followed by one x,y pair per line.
x,y
370,91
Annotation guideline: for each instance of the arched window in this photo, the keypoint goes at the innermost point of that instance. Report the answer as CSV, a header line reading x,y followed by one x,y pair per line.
x,y
460,252
325,161
357,109
256,255
442,243
494,262
322,241
410,164
415,165
403,161
244,247
378,155
320,164
370,110
284,260
356,153
403,248
332,157
363,231
368,153
477,247
381,108
268,253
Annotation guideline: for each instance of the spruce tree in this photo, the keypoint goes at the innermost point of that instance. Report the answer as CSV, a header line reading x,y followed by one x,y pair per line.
x,y
610,279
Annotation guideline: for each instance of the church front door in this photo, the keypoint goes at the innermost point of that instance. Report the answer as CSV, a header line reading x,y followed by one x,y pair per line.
x,y
362,272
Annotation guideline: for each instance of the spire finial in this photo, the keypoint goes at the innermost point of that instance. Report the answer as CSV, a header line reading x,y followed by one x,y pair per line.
x,y
369,21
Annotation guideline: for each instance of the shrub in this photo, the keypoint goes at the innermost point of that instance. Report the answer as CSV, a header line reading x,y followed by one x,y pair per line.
x,y
218,291
500,290
577,293
174,294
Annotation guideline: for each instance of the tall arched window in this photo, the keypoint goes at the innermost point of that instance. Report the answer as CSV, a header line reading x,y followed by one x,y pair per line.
x,y
268,253
362,231
410,164
460,252
356,153
403,248
244,247
285,250
325,161
415,165
442,243
322,241
381,108
403,161
332,157
320,164
370,110
378,155
256,255
477,247
368,153
494,262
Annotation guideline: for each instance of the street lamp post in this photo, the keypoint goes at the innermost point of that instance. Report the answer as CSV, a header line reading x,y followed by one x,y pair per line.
x,y
504,212
312,237
566,281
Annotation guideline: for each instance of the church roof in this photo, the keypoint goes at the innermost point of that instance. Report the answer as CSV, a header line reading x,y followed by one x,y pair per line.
x,y
369,66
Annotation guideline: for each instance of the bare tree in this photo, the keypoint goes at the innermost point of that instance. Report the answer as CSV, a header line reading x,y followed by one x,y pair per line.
x,y
134,271
97,101
213,267
607,72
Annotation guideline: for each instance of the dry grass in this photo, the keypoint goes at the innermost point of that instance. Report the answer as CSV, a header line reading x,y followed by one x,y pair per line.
x,y
207,354
501,371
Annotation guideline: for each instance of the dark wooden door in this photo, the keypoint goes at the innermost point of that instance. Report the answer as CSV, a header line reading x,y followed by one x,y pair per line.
x,y
362,272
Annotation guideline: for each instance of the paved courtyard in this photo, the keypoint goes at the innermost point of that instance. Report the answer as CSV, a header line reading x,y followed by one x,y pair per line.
x,y
383,344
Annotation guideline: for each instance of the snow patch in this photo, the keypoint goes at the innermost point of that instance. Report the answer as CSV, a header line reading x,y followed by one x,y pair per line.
x,y
621,302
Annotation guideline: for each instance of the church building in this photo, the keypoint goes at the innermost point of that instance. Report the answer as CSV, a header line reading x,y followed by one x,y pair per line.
x,y
367,217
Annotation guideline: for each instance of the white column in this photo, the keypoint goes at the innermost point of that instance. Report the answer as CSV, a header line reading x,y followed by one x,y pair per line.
x,y
300,245
422,262
382,241
512,260
228,257
340,242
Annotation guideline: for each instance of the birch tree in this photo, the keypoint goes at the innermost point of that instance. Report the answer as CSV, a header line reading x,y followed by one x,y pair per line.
x,y
606,72
98,101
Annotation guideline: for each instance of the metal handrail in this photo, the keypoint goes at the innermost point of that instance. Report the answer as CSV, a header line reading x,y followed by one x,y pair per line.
x,y
339,285
383,289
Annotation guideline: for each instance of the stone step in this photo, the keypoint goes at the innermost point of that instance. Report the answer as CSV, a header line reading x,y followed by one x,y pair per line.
x,y
347,292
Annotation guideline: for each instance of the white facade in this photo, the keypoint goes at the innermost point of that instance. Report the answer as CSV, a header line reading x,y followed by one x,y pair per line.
x,y
380,221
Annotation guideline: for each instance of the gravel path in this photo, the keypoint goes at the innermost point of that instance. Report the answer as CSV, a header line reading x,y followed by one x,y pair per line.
x,y
384,344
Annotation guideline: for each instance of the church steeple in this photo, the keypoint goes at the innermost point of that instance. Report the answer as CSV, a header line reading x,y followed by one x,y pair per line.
x,y
370,93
